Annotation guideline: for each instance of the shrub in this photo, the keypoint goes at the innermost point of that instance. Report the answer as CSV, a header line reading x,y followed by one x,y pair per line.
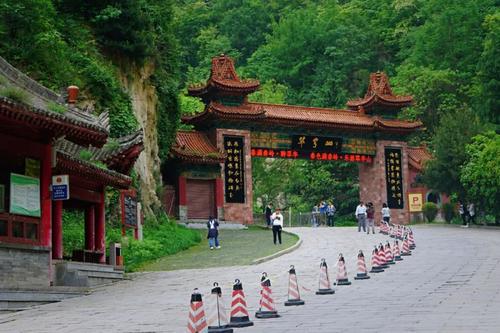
x,y
430,210
15,94
448,211
57,108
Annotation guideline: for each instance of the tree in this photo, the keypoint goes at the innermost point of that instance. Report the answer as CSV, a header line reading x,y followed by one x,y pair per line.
x,y
480,175
487,84
455,131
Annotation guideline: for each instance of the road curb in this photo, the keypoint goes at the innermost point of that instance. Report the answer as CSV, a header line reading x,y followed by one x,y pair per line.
x,y
279,253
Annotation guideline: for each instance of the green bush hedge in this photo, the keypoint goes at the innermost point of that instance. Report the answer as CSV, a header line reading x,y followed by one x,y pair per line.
x,y
430,210
160,239
448,211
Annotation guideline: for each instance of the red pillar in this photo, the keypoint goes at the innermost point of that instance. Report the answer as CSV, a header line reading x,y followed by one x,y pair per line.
x,y
57,236
100,228
182,191
219,193
46,201
90,228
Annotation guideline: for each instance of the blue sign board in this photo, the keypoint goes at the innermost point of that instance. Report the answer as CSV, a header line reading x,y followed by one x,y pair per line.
x,y
60,192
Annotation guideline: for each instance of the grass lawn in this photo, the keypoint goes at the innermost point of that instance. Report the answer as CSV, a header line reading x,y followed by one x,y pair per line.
x,y
238,247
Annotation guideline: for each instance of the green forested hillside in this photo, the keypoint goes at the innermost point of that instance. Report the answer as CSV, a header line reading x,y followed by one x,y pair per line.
x,y
320,53
87,43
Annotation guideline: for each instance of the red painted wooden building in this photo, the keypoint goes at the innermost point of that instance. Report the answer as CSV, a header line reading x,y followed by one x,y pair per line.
x,y
43,134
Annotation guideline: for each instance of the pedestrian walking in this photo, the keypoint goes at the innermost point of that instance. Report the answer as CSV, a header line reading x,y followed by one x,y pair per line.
x,y
386,213
277,220
322,212
330,214
472,213
315,216
269,212
370,218
361,216
213,233
463,214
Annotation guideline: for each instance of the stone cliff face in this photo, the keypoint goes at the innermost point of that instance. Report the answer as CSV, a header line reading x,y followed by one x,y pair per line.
x,y
135,80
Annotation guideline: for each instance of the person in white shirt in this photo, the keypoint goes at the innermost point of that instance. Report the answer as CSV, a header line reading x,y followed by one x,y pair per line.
x,y
472,213
386,213
361,216
277,221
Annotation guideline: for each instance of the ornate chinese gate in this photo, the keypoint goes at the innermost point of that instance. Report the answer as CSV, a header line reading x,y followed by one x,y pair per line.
x,y
231,131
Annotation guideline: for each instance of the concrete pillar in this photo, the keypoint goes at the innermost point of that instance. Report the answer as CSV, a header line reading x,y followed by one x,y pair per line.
x,y
100,228
182,198
57,239
90,228
219,198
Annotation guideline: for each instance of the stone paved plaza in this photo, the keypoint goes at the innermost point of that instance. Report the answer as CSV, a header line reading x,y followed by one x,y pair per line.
x,y
451,283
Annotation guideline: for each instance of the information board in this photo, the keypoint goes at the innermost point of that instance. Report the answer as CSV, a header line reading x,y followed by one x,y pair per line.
x,y
60,187
234,170
394,178
24,195
130,210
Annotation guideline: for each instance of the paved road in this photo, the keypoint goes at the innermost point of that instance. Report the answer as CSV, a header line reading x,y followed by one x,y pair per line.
x,y
451,283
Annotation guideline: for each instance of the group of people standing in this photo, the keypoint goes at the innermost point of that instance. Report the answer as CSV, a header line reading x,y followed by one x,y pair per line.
x,y
365,214
467,213
323,213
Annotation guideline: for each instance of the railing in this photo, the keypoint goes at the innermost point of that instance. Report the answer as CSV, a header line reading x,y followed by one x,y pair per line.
x,y
292,219
19,229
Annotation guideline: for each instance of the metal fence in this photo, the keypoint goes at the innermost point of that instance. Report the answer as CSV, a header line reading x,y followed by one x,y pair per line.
x,y
293,219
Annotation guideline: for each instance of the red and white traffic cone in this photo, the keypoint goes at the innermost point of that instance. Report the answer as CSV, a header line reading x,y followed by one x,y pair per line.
x,y
216,314
324,280
267,308
293,289
381,257
411,240
406,248
342,279
197,322
382,227
388,254
399,234
239,313
375,262
396,251
362,272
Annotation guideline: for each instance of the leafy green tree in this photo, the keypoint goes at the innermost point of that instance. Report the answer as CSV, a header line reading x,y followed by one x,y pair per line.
x,y
487,84
455,131
480,175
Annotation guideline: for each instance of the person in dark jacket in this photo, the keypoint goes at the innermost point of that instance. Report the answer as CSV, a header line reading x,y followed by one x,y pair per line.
x,y
213,233
269,212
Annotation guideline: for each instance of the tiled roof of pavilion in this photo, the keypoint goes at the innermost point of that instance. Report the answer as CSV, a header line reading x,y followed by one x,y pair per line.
x,y
379,93
75,166
119,154
195,147
418,156
223,77
77,125
300,116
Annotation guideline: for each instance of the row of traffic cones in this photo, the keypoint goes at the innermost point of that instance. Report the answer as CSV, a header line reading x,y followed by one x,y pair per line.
x,y
217,322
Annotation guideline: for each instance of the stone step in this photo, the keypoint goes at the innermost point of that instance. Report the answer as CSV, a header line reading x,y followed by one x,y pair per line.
x,y
73,273
18,299
84,266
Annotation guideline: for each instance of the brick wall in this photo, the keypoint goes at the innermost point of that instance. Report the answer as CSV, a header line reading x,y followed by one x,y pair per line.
x,y
372,186
24,266
236,212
